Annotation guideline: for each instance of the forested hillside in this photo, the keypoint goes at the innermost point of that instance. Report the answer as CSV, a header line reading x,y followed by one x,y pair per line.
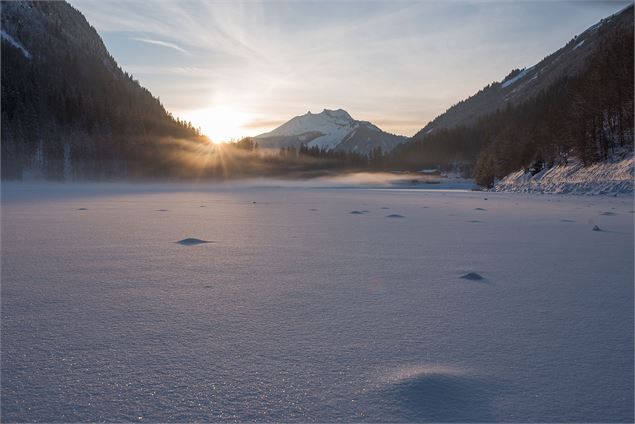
x,y
587,113
68,110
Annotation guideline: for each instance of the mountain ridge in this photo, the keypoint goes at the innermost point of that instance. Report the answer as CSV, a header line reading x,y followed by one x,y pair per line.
x,y
521,85
331,129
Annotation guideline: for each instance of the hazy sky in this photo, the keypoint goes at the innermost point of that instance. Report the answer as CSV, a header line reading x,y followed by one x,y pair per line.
x,y
242,68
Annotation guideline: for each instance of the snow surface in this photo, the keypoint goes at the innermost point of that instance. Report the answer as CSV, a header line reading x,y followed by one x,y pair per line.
x,y
579,44
15,43
602,178
297,315
520,75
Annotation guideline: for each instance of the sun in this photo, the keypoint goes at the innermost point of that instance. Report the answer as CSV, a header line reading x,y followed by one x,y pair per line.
x,y
220,123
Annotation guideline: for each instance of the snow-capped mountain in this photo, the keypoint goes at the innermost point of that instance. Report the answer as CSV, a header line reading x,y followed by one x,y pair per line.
x,y
330,130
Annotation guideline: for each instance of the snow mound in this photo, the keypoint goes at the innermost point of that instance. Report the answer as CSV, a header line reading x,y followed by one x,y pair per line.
x,y
192,242
473,276
611,177
438,394
409,373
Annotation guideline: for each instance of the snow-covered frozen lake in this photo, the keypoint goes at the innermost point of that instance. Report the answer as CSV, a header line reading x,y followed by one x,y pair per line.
x,y
300,310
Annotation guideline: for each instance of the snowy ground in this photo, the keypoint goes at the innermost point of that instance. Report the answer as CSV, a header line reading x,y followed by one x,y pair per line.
x,y
611,177
301,311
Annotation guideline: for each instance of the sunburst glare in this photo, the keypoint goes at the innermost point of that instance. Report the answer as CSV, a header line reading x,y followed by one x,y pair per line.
x,y
220,123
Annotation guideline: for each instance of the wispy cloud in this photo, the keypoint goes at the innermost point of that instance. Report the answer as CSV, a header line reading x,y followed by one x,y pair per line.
x,y
161,43
397,64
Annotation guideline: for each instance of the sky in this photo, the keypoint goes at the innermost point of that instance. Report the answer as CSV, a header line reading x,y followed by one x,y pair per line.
x,y
241,68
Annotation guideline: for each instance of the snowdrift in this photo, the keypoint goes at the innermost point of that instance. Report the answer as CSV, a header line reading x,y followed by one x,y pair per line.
x,y
613,177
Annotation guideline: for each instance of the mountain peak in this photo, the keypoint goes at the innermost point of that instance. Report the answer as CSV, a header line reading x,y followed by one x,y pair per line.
x,y
332,113
338,113
330,130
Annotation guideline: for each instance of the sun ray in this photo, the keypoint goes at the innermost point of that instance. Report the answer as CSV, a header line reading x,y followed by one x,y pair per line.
x,y
220,123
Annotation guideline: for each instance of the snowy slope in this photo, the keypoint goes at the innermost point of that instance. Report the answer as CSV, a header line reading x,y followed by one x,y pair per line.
x,y
612,177
330,130
333,125
15,43
506,83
